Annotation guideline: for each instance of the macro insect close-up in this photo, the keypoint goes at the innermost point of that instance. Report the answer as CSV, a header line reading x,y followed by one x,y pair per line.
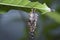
x,y
29,20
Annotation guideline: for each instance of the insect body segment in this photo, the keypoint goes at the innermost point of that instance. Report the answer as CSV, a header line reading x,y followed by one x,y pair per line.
x,y
32,22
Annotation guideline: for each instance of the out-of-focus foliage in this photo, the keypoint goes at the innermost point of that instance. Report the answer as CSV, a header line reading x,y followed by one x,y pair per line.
x,y
55,16
13,25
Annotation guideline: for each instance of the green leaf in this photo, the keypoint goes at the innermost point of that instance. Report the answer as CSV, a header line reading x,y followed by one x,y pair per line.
x,y
26,4
54,15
